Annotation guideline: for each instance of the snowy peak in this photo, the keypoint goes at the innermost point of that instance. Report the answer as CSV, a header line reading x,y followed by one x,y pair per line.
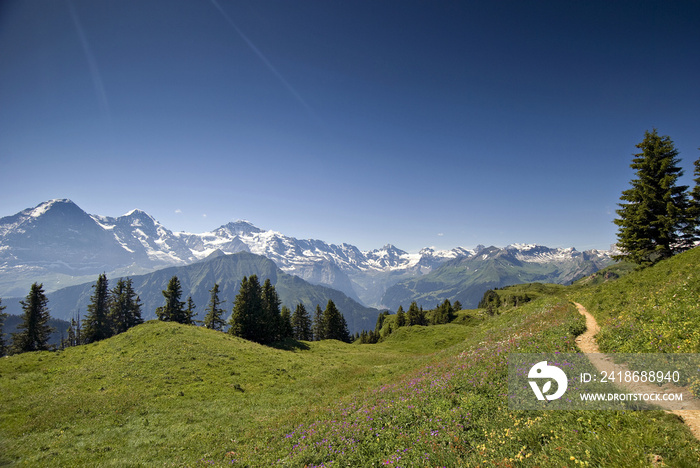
x,y
58,236
238,228
541,254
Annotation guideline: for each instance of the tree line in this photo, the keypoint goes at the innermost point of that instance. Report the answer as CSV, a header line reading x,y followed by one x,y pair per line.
x,y
257,315
441,314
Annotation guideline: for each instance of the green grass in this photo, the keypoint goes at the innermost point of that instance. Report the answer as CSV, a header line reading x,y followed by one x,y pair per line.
x,y
655,310
164,394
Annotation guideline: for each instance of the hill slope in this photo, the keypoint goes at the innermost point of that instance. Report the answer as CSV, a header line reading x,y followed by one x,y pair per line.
x,y
653,310
168,394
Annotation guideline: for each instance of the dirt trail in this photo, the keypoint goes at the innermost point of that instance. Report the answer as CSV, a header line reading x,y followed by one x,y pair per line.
x,y
587,344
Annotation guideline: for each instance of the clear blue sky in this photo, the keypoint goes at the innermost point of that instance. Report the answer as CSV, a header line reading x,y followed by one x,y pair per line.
x,y
415,123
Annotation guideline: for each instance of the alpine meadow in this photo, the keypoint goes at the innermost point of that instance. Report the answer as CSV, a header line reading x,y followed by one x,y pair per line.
x,y
309,234
262,383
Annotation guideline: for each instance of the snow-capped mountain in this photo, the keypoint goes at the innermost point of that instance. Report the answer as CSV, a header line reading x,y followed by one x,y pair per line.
x,y
57,243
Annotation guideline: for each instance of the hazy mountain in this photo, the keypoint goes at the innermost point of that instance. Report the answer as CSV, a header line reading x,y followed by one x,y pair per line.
x,y
58,244
198,278
467,278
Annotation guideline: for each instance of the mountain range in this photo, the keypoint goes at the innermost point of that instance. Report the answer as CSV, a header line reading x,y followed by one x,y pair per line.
x,y
59,244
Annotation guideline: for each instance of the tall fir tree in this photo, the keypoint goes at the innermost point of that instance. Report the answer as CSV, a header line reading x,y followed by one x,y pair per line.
x,y
286,330
3,316
174,309
246,320
400,317
188,317
336,326
271,319
301,323
125,306
318,326
694,210
654,212
96,325
214,318
34,331
73,338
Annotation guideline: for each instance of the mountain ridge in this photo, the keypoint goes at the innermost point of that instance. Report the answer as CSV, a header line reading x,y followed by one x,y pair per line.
x,y
57,243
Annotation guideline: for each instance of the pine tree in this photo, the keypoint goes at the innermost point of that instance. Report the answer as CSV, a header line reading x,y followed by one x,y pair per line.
x,y
246,320
654,212
415,315
400,317
457,306
319,326
336,326
301,323
380,322
694,209
286,330
73,333
3,316
125,307
173,310
34,331
214,318
188,317
96,324
271,320
133,302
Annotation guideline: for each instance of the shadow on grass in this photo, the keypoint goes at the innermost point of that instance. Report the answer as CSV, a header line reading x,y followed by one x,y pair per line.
x,y
290,344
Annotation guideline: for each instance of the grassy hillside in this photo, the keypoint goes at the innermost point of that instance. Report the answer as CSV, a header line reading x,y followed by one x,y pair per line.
x,y
167,394
654,310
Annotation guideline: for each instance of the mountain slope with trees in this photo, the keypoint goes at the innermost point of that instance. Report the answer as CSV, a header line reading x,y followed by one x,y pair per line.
x,y
197,280
467,279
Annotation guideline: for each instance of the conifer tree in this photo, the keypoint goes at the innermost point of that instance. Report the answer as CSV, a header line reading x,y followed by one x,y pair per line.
x,y
336,326
443,313
415,315
125,306
3,316
694,210
457,306
173,310
286,330
319,326
96,323
214,318
301,323
246,320
400,317
34,331
380,322
73,333
654,212
271,320
189,313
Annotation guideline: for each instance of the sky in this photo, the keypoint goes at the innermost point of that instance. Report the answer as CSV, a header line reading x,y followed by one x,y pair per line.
x,y
416,123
